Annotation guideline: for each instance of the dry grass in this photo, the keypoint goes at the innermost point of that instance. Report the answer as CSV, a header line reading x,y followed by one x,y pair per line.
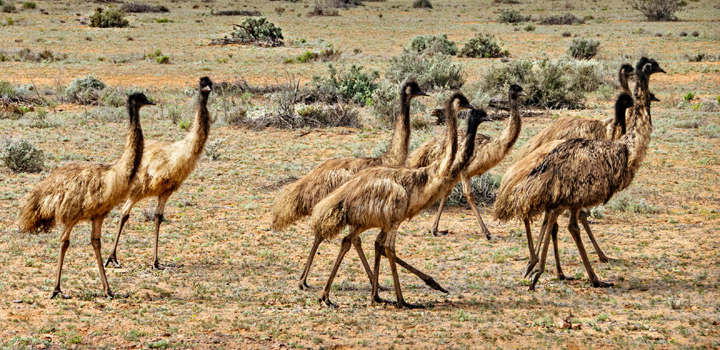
x,y
232,282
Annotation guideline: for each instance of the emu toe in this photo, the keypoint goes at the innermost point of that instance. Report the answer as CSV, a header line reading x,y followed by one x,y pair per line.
x,y
157,266
303,285
405,304
326,300
58,293
112,260
437,233
601,284
379,300
434,285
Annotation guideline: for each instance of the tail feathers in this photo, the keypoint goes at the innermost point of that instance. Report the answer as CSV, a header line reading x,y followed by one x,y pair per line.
x,y
328,221
34,218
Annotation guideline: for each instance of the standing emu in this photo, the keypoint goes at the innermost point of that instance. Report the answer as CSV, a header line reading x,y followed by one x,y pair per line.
x,y
83,191
298,199
578,173
384,197
164,167
489,151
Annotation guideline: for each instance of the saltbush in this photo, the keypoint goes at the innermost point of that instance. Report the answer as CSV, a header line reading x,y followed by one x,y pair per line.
x,y
351,86
22,156
84,90
112,18
255,31
434,72
29,5
583,49
511,16
658,10
484,188
483,46
564,19
432,44
423,4
139,7
548,84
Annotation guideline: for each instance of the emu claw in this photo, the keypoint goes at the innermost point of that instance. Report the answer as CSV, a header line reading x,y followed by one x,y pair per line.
x,y
57,293
437,233
403,303
326,300
601,284
157,266
303,285
112,259
379,300
434,285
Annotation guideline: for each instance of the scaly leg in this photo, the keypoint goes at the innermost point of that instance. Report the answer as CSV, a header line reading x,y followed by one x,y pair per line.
x,y
64,244
344,247
535,251
436,223
374,296
583,219
303,278
552,218
560,274
96,244
124,216
159,211
390,253
575,232
470,196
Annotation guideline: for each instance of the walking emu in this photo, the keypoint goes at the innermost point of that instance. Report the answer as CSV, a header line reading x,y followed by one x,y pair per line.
x,y
164,167
578,173
83,191
489,151
384,197
298,199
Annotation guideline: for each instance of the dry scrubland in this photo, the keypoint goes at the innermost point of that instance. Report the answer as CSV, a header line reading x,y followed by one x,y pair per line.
x,y
232,282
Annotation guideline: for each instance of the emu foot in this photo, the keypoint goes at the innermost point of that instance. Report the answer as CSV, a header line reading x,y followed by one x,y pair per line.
x,y
487,234
562,277
405,304
58,293
109,294
112,259
157,266
530,266
434,285
605,259
303,285
535,274
601,284
437,233
325,299
379,300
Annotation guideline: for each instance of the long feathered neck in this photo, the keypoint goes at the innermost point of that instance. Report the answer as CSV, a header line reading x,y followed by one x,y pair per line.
x,y
444,167
512,130
397,151
467,154
623,78
638,136
198,134
129,162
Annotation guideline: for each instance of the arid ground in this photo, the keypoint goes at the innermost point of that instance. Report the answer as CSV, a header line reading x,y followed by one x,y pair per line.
x,y
231,282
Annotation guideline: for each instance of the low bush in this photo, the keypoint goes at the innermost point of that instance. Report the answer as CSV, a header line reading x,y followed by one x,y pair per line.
x,y
508,2
29,5
422,4
434,72
21,156
322,56
583,49
251,13
84,90
511,16
483,46
564,19
484,188
27,55
324,8
658,10
139,7
112,18
548,84
255,31
431,44
9,8
353,85
164,59
624,202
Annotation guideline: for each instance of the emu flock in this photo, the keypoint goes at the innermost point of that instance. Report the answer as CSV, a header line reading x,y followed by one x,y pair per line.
x,y
573,164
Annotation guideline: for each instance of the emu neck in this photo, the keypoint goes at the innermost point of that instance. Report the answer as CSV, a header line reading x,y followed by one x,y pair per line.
x,y
464,160
620,117
638,136
512,130
129,162
444,167
624,87
198,134
400,143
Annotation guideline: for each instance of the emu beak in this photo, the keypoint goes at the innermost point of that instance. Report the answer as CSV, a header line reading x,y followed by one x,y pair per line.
x,y
487,118
421,93
465,106
654,98
522,93
659,70
151,103
207,88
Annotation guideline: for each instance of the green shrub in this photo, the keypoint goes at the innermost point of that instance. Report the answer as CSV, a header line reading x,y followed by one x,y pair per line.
x,y
9,8
112,18
29,5
431,72
21,156
564,19
164,59
432,44
583,49
484,187
548,84
529,28
137,7
483,46
658,10
323,56
511,16
689,96
352,86
424,4
84,90
385,104
162,20
255,31
624,202
112,97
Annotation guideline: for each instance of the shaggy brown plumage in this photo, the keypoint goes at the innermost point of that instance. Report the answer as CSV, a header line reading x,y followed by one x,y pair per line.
x,y
383,197
164,167
82,191
579,173
298,199
489,151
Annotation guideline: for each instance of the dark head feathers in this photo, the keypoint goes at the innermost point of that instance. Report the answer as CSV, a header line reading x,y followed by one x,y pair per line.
x,y
206,84
139,99
412,89
515,91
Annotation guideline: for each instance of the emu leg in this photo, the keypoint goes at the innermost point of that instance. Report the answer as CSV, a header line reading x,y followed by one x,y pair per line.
x,y
534,251
374,296
531,247
64,245
390,253
303,278
357,243
575,232
470,196
96,244
560,274
551,219
344,247
124,216
583,219
159,211
436,223
426,278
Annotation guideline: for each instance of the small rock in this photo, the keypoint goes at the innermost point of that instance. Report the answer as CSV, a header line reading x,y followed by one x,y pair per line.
x,y
17,301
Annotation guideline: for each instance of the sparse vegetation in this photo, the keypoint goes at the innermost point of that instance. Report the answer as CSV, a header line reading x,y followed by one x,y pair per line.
x,y
436,72
323,56
27,55
139,7
386,103
422,4
484,187
432,44
112,18
352,85
324,8
483,46
659,10
564,19
9,8
29,5
511,16
252,13
84,90
624,202
255,31
21,156
583,49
